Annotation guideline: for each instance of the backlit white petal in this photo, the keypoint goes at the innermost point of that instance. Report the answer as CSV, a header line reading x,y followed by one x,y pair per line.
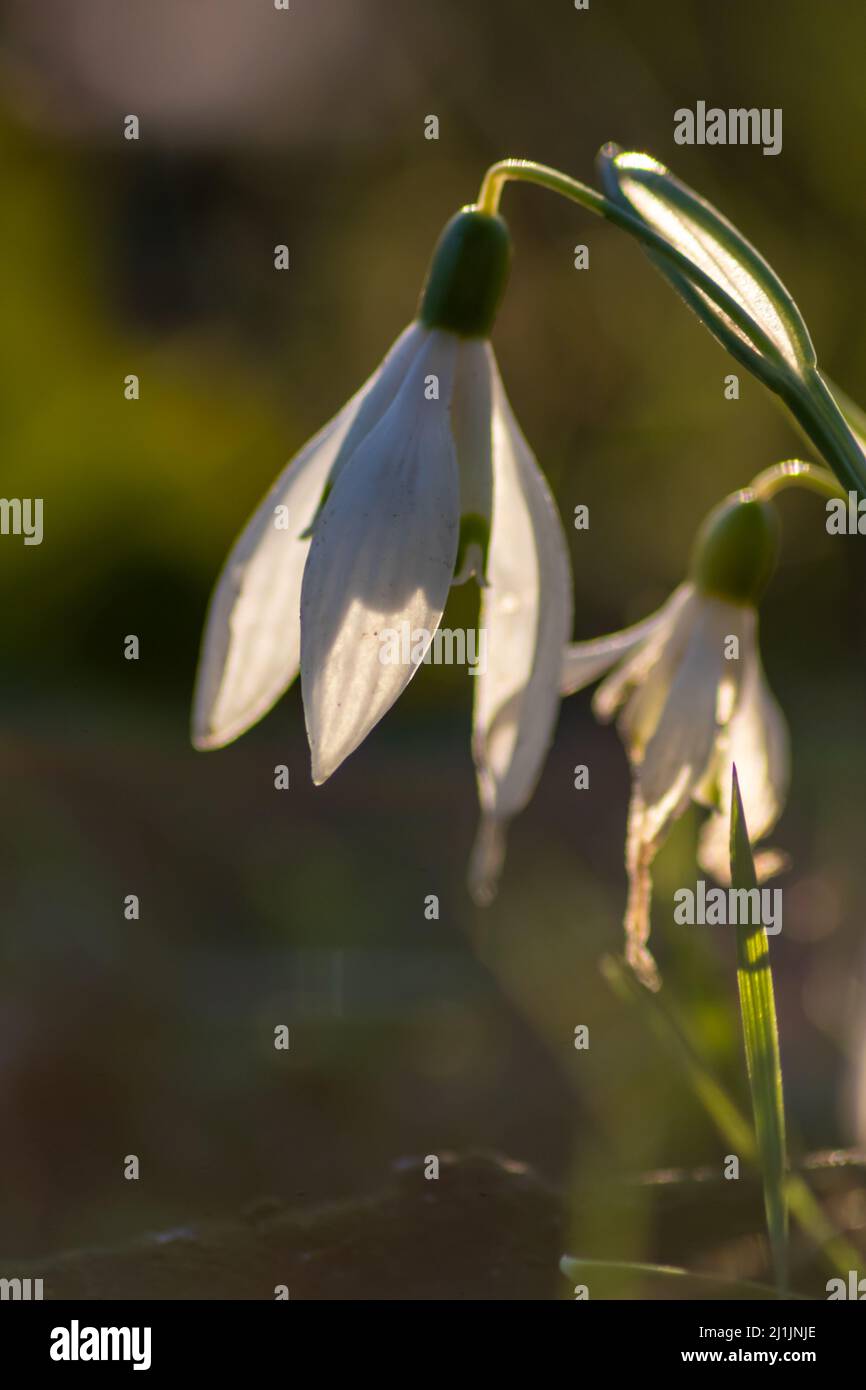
x,y
651,663
679,751
487,859
382,555
381,390
640,851
757,741
251,647
584,662
527,613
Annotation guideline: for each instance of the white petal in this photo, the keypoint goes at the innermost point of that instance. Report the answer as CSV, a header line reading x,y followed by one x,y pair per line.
x,y
757,741
527,613
382,556
640,851
487,859
644,676
679,751
381,390
251,647
584,662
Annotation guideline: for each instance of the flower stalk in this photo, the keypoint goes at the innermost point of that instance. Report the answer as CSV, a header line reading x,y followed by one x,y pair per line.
x,y
793,473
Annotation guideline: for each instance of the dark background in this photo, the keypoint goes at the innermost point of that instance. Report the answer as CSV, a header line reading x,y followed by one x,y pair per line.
x,y
306,907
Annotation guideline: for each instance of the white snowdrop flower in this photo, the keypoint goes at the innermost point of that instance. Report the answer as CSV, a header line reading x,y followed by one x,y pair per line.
x,y
422,480
692,700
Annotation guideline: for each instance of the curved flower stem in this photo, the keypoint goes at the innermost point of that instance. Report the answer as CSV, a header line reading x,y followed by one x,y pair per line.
x,y
527,171
794,473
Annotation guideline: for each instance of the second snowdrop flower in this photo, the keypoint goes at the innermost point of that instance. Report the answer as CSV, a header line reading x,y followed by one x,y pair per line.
x,y
692,699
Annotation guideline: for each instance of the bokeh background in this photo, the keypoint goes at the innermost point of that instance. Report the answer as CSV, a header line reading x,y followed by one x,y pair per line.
x,y
306,907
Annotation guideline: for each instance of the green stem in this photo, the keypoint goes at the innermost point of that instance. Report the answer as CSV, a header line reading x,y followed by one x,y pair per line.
x,y
794,473
527,171
815,410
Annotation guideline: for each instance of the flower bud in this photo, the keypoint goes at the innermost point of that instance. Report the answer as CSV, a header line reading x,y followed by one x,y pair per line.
x,y
467,274
736,550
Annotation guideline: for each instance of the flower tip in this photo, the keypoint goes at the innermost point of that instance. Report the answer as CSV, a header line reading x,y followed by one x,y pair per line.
x,y
486,861
321,766
318,773
208,732
204,738
640,961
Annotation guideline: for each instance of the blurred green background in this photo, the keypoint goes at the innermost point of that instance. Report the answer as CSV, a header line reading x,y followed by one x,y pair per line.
x,y
306,908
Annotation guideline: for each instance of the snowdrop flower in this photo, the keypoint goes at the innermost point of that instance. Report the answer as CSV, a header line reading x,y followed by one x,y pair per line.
x,y
693,699
422,480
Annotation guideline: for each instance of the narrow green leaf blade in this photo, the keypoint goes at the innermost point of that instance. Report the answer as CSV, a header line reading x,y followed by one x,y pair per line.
x,y
714,245
671,1030
761,1040
853,413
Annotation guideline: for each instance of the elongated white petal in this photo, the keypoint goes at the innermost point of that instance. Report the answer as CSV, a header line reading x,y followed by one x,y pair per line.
x,y
702,692
527,613
380,391
757,741
487,858
382,557
706,681
251,646
584,662
644,679
640,851
652,659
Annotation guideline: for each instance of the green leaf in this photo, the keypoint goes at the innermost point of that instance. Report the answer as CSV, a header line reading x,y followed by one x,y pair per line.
x,y
714,245
853,413
761,1039
672,1031
736,293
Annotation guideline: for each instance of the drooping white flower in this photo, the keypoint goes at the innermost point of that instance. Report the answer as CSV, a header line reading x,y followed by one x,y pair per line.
x,y
422,480
692,700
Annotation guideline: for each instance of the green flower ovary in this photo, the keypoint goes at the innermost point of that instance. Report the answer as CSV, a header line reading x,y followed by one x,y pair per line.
x,y
736,551
467,274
